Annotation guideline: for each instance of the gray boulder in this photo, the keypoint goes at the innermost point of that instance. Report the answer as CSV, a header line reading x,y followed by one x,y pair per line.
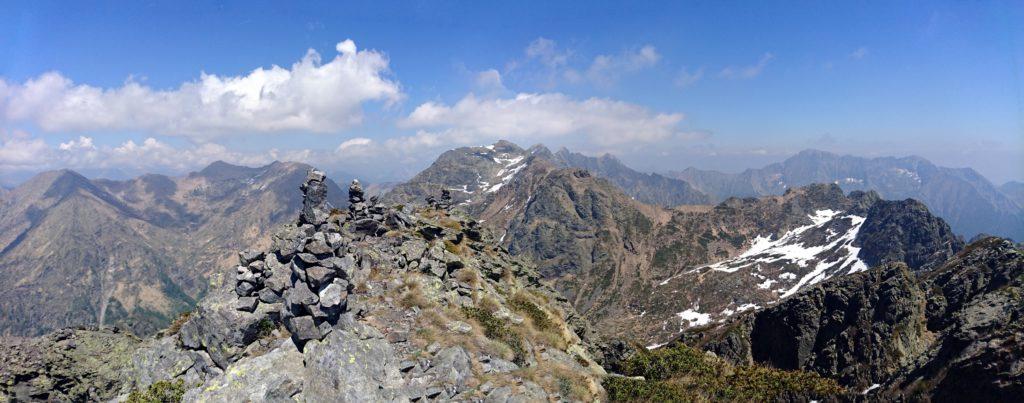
x,y
347,368
272,377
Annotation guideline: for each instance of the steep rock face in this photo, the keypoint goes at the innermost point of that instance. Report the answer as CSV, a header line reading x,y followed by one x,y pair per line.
x,y
426,308
583,233
962,197
904,231
79,251
976,308
827,328
947,335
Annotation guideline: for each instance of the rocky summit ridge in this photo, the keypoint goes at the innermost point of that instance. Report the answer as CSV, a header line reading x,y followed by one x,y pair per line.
x,y
375,303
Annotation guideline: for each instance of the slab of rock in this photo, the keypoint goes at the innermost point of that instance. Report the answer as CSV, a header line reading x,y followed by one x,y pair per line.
x,y
347,368
275,376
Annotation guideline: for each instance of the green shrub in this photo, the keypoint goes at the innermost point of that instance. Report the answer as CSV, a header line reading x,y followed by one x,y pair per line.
x,y
540,319
497,329
681,373
630,390
159,392
264,328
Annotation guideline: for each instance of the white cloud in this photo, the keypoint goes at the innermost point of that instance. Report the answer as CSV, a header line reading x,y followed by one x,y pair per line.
x,y
18,150
546,51
489,81
556,64
606,69
747,72
353,144
309,96
859,53
685,78
536,117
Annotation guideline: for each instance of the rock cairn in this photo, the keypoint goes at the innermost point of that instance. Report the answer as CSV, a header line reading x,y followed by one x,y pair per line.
x,y
309,267
444,203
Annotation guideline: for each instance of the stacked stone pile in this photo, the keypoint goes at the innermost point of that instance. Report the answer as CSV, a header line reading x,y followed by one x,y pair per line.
x,y
309,267
444,203
378,303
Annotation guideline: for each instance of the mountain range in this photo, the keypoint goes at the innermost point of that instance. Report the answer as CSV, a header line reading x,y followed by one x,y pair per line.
x,y
655,271
961,196
131,253
125,245
845,297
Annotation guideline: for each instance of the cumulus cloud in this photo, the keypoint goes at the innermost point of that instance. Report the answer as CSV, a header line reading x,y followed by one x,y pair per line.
x,y
544,116
19,150
311,96
747,72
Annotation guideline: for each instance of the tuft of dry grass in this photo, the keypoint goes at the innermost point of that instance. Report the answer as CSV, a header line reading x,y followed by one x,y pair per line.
x,y
412,295
178,322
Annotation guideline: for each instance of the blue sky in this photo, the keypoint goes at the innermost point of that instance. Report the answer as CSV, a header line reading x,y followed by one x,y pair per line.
x,y
118,89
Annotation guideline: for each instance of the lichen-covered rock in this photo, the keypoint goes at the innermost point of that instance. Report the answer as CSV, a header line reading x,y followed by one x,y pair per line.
x,y
221,329
83,364
346,367
272,377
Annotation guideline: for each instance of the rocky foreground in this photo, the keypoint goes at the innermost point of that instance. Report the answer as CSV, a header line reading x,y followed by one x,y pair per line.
x,y
389,303
370,304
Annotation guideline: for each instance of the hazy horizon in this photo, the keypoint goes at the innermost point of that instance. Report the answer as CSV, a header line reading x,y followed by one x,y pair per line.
x,y
340,175
125,89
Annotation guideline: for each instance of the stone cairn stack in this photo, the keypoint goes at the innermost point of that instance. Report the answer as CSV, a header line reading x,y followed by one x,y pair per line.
x,y
309,265
445,203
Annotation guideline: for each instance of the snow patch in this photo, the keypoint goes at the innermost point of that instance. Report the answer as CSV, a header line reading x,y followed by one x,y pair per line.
x,y
655,345
694,318
792,249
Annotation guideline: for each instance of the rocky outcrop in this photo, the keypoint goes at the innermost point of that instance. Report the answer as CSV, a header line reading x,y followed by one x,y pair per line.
x,y
857,329
950,334
905,231
418,305
80,364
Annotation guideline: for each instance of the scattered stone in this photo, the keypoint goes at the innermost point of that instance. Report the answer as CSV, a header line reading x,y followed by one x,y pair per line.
x,y
333,295
249,256
247,304
460,327
303,328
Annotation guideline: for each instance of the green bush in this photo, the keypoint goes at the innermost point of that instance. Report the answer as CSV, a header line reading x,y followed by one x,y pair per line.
x,y
497,329
540,319
159,392
681,373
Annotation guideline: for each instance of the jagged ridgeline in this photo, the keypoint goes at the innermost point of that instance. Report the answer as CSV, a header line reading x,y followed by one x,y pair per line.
x,y
372,303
